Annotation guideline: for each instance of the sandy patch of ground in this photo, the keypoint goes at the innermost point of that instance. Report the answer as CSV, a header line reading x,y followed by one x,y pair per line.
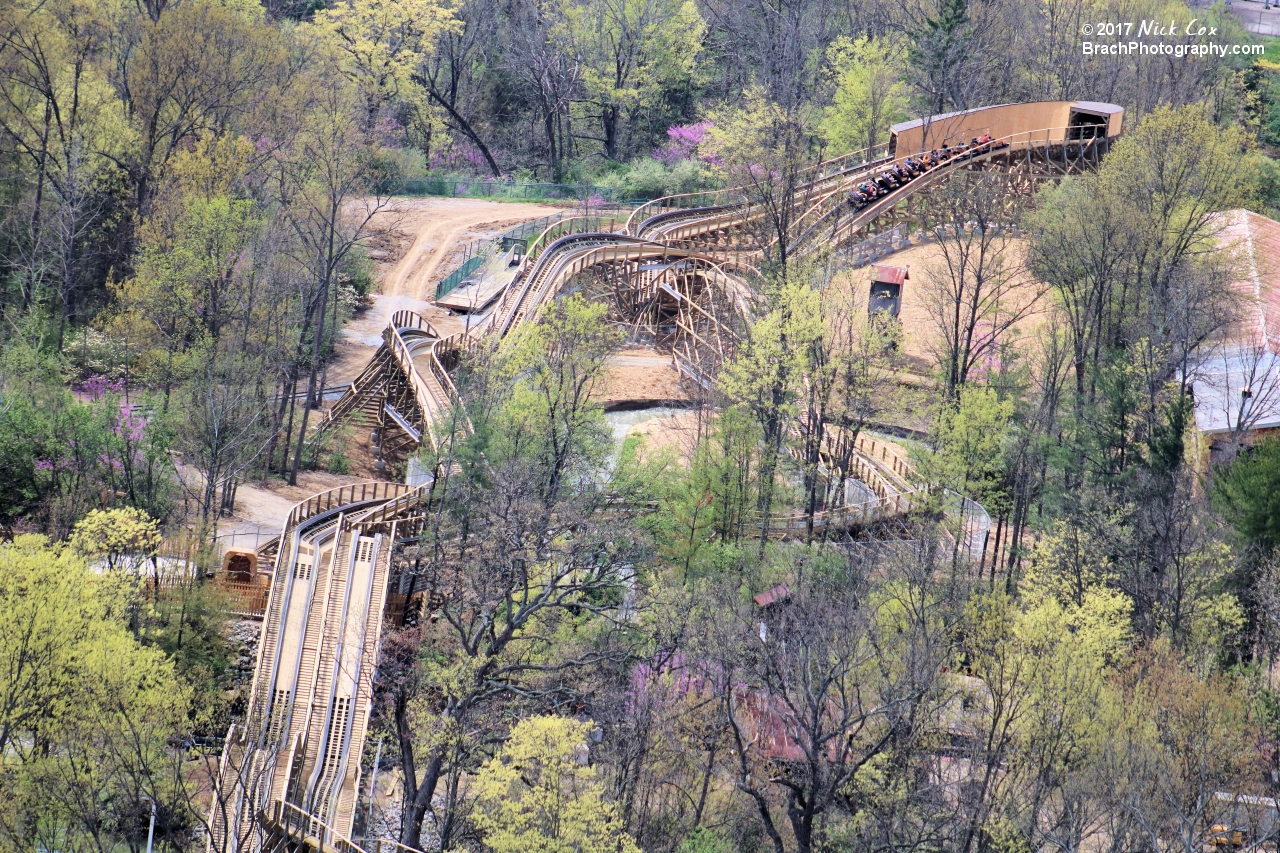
x,y
441,227
641,374
259,514
678,430
919,329
911,401
261,510
416,242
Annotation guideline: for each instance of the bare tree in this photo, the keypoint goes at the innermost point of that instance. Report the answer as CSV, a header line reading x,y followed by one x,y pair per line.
x,y
518,546
772,43
454,74
843,387
810,697
220,793
331,187
224,428
550,73
1242,377
976,292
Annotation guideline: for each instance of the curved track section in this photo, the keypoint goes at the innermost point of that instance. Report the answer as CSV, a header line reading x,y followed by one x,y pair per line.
x,y
289,775
405,390
651,218
832,221
1041,131
576,254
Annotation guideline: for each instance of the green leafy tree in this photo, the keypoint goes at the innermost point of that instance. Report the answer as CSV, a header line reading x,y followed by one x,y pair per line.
x,y
539,794
1038,702
125,537
555,367
947,53
529,553
870,92
1248,491
384,42
85,711
764,148
1071,559
968,452
765,375
703,504
634,52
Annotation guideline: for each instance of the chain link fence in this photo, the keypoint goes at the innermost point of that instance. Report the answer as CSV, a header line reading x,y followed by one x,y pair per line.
x,y
474,254
497,188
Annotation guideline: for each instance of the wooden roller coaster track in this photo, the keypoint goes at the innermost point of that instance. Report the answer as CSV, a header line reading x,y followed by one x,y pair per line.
x,y
682,268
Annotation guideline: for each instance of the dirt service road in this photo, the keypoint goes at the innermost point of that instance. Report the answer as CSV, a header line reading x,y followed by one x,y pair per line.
x,y
416,242
439,227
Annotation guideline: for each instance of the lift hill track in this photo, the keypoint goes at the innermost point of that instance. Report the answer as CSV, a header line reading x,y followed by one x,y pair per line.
x,y
678,267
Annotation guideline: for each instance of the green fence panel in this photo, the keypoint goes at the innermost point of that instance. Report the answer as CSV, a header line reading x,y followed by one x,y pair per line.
x,y
456,277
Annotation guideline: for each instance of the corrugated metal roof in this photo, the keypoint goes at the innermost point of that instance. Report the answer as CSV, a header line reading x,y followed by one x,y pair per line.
x,y
1219,381
778,593
1256,241
887,274
1248,357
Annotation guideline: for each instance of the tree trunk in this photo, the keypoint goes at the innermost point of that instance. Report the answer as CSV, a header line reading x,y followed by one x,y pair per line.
x,y
416,809
316,341
463,124
553,157
609,119
29,292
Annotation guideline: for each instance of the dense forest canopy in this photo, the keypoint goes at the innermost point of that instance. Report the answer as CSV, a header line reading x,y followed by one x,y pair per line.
x,y
187,193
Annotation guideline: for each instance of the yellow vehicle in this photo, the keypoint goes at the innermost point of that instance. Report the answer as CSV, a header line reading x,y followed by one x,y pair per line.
x,y
1221,835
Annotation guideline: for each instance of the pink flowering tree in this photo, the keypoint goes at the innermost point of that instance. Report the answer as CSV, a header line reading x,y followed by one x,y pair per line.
x,y
68,451
684,142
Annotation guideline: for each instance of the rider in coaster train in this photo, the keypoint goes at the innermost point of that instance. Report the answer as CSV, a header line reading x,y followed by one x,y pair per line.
x,y
863,195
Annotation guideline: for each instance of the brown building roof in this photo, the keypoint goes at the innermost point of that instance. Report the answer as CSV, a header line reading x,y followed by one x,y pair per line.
x,y
781,592
1256,240
887,274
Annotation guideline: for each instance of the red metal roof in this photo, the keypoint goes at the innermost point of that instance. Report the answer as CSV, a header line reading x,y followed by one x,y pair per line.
x,y
771,596
888,275
1256,242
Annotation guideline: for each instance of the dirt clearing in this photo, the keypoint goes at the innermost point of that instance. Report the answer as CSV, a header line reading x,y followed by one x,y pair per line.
x,y
416,243
919,329
640,375
426,232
